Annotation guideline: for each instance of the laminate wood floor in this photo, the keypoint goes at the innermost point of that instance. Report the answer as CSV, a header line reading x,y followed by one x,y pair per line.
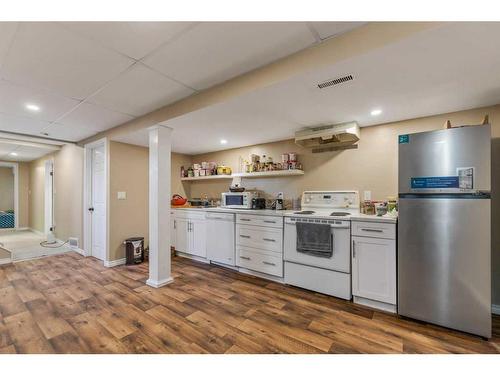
x,y
71,304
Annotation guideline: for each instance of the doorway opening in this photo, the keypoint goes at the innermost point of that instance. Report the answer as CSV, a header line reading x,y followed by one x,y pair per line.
x,y
8,196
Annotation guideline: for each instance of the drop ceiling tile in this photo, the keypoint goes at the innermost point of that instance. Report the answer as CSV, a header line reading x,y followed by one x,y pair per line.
x,y
140,90
68,133
7,31
134,39
14,97
19,124
213,52
47,55
94,117
6,148
27,153
329,29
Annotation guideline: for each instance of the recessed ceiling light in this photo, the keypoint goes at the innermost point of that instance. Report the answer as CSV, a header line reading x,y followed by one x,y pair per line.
x,y
223,141
13,154
32,107
376,112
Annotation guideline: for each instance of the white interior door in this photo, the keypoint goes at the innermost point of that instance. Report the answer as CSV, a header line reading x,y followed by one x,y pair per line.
x,y
98,203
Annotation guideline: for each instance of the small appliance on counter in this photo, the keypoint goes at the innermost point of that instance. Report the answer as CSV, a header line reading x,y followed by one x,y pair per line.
x,y
258,204
278,203
238,200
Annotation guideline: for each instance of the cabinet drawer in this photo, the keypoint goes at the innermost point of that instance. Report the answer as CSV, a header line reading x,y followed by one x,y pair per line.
x,y
190,214
260,262
372,229
269,239
261,220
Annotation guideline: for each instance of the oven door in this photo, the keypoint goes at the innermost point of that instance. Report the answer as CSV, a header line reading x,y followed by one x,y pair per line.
x,y
341,258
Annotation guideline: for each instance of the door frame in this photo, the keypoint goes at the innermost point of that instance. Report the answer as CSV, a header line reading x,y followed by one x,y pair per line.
x,y
87,196
15,169
49,197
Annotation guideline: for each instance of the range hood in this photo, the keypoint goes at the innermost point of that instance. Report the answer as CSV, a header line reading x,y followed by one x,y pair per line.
x,y
329,137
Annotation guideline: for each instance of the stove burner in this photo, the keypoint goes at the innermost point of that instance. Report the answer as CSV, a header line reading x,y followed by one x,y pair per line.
x,y
340,214
304,213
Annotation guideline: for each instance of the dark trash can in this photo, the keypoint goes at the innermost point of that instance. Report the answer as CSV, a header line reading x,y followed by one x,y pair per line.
x,y
134,250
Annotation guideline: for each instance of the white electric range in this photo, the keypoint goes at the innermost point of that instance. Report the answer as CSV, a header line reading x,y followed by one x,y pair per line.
x,y
328,273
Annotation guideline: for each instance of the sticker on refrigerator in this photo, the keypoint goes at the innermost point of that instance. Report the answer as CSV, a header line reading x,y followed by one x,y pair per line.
x,y
404,138
436,182
465,177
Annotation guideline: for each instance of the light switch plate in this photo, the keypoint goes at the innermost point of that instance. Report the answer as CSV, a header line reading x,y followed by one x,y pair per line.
x,y
367,195
122,195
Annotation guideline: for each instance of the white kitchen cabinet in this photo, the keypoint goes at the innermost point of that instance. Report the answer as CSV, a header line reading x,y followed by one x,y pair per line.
x,y
259,243
190,233
173,229
220,238
374,271
181,234
198,238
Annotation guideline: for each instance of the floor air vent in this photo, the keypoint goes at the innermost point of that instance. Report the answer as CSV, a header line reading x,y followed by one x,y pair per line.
x,y
336,81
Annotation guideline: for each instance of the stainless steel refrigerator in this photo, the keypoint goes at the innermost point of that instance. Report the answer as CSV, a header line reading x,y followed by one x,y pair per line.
x,y
444,228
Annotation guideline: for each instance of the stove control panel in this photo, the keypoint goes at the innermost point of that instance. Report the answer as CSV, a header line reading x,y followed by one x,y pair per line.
x,y
330,199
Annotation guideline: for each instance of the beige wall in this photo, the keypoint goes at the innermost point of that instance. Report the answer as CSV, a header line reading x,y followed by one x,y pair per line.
x,y
373,166
23,189
68,193
6,188
129,172
37,193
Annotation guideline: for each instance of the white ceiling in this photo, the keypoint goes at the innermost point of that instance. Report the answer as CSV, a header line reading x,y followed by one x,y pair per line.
x,y
23,151
444,69
91,76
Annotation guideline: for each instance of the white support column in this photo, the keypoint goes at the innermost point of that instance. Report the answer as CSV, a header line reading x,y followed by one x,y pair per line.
x,y
160,138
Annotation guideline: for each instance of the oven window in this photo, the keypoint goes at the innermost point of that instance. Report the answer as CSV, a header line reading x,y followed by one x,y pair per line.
x,y
234,200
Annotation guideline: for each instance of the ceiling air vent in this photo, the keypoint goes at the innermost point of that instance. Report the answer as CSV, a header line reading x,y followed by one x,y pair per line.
x,y
336,81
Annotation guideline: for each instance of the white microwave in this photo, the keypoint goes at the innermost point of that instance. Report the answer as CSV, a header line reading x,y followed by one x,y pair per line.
x,y
238,200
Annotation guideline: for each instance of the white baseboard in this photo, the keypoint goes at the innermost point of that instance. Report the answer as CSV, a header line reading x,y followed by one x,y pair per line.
x,y
495,309
261,275
5,261
160,283
114,263
192,257
375,304
36,232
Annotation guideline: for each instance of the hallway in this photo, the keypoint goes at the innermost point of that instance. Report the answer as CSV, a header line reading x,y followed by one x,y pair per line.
x,y
25,244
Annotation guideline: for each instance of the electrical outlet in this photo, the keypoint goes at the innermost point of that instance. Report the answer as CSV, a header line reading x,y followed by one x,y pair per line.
x,y
122,195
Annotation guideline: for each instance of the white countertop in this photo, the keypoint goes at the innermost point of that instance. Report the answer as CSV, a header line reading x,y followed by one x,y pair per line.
x,y
357,216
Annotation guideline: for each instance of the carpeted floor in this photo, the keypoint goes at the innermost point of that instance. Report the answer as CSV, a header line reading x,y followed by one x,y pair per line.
x,y
25,244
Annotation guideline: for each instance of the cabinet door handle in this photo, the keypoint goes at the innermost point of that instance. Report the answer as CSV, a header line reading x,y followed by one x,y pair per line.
x,y
269,263
269,221
243,219
175,224
372,230
246,258
353,249
244,236
269,239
